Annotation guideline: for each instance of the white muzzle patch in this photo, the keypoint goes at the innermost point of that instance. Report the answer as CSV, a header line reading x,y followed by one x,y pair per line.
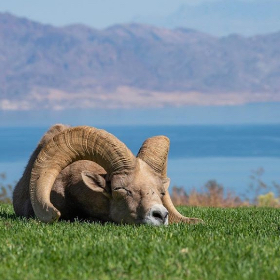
x,y
157,216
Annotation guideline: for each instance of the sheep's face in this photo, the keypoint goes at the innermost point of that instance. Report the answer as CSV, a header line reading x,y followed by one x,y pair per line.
x,y
136,198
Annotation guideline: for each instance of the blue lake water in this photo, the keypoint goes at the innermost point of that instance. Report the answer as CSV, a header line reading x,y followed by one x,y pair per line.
x,y
227,154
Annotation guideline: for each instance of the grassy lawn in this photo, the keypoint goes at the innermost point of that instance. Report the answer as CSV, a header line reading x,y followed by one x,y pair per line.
x,y
242,243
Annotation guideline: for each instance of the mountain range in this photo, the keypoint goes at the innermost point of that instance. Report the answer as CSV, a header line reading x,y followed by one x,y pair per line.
x,y
221,17
132,65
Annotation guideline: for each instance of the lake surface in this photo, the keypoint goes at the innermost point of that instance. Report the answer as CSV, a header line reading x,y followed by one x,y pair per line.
x,y
224,153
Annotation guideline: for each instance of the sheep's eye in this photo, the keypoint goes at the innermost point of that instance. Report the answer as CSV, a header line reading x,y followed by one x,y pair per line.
x,y
122,190
162,193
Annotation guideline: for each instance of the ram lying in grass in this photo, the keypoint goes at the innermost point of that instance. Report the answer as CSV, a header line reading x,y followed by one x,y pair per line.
x,y
85,172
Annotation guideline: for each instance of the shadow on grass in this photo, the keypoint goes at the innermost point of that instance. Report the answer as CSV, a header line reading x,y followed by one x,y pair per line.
x,y
8,216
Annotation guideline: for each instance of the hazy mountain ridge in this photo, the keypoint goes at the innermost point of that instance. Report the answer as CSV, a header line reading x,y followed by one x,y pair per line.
x,y
42,66
221,17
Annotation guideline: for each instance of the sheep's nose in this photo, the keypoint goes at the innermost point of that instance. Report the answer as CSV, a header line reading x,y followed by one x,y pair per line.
x,y
159,213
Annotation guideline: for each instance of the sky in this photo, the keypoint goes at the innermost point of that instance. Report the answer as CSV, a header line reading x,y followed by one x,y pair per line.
x,y
96,13
217,17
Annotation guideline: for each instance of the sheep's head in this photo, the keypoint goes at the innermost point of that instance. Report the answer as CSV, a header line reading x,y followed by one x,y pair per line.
x,y
135,197
136,187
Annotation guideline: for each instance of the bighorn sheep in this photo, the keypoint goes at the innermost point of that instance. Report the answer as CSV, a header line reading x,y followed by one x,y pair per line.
x,y
64,178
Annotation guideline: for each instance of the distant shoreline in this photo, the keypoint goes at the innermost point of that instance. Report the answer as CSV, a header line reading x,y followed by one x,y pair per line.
x,y
250,114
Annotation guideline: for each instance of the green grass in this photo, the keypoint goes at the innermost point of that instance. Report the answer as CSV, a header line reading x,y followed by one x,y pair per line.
x,y
238,244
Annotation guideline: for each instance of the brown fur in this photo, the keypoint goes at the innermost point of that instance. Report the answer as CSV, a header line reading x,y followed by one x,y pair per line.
x,y
70,195
21,198
82,190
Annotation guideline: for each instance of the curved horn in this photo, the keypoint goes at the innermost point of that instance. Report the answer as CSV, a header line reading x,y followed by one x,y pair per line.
x,y
154,152
71,145
21,191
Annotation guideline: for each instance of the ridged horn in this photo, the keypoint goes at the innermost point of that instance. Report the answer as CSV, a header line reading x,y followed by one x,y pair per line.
x,y
154,152
174,216
73,144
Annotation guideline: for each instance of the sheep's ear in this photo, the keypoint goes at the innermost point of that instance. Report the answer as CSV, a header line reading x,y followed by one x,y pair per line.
x,y
166,183
96,182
